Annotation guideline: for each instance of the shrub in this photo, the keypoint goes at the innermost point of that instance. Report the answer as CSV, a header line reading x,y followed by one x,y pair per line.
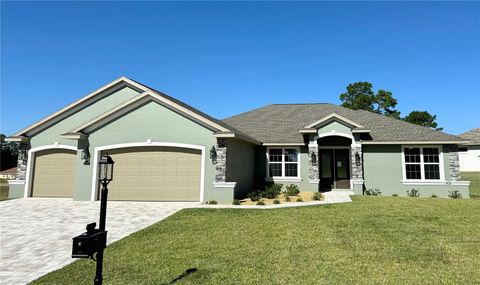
x,y
272,191
395,195
292,190
434,196
276,201
413,193
299,199
254,196
236,202
260,202
212,202
373,192
317,196
454,194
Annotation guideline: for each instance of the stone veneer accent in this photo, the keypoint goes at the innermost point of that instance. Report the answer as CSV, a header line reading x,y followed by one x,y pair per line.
x,y
357,171
313,172
221,163
454,164
22,160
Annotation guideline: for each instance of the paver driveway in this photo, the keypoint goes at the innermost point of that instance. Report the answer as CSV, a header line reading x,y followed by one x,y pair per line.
x,y
36,233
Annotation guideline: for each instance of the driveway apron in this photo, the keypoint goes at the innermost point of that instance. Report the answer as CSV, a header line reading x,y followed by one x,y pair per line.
x,y
36,233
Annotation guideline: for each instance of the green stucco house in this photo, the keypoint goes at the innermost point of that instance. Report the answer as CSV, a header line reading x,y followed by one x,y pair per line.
x,y
165,150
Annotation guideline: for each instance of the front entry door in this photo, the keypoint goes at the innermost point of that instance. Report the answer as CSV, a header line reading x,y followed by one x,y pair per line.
x,y
334,169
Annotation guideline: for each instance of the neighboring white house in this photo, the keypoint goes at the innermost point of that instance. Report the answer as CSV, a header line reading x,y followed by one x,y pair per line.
x,y
470,157
8,174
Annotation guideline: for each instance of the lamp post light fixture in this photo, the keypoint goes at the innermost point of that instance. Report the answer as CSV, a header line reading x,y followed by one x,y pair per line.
x,y
94,241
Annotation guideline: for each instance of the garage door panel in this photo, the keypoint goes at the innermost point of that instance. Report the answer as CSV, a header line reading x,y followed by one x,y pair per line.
x,y
156,173
54,173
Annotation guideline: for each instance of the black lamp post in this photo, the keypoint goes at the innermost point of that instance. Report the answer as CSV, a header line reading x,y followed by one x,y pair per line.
x,y
105,175
94,241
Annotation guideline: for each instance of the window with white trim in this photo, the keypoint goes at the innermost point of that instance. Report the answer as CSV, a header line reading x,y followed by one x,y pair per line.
x,y
422,163
283,162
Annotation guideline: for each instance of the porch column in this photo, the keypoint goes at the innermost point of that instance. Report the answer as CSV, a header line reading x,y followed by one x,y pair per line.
x,y
221,161
313,161
357,170
22,160
454,164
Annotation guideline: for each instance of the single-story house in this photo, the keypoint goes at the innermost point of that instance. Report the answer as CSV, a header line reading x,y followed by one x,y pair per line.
x,y
470,153
166,150
9,173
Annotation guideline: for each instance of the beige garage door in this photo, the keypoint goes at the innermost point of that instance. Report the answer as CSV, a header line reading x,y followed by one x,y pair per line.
x,y
155,174
54,173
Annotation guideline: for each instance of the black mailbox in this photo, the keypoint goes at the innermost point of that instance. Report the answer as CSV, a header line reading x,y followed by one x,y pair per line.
x,y
89,243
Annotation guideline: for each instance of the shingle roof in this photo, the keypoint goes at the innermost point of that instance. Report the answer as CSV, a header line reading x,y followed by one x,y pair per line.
x,y
280,123
473,136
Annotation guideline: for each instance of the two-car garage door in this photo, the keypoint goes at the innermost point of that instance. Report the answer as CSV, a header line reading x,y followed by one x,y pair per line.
x,y
140,174
155,174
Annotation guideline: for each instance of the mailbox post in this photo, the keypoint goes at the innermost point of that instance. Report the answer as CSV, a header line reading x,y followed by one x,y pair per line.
x,y
94,241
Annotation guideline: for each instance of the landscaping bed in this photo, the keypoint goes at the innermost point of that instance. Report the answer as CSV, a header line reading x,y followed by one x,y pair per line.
x,y
282,199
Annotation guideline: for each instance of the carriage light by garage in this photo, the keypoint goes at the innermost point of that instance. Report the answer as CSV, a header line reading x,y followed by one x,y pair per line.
x,y
213,154
357,158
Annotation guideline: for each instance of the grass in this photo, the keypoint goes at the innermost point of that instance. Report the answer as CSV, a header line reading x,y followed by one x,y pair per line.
x,y
3,189
374,240
474,178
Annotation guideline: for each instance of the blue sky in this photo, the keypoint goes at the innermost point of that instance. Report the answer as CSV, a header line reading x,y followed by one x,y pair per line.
x,y
226,58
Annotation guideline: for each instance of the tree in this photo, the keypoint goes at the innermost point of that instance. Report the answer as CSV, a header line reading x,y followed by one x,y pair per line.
x,y
9,153
423,118
359,95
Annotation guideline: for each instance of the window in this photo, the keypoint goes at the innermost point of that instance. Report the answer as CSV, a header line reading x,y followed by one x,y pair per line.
x,y
422,163
283,162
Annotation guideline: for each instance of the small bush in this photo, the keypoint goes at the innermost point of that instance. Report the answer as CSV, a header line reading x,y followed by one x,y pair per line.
x,y
254,196
395,195
276,201
292,190
260,202
212,202
373,192
434,196
299,199
413,193
317,196
236,202
272,191
454,194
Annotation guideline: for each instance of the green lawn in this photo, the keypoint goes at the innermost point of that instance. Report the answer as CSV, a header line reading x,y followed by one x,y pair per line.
x,y
474,178
372,240
3,190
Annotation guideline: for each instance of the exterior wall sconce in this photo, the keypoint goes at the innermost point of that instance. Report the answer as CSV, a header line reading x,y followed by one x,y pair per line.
x,y
86,156
313,158
213,155
357,158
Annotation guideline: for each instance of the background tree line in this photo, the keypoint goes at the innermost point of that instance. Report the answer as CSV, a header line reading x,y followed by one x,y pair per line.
x,y
359,95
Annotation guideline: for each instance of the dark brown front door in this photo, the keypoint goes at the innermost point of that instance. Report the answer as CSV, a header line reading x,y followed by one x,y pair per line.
x,y
334,169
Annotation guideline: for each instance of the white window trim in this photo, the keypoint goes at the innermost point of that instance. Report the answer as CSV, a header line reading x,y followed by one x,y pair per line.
x,y
283,178
423,181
